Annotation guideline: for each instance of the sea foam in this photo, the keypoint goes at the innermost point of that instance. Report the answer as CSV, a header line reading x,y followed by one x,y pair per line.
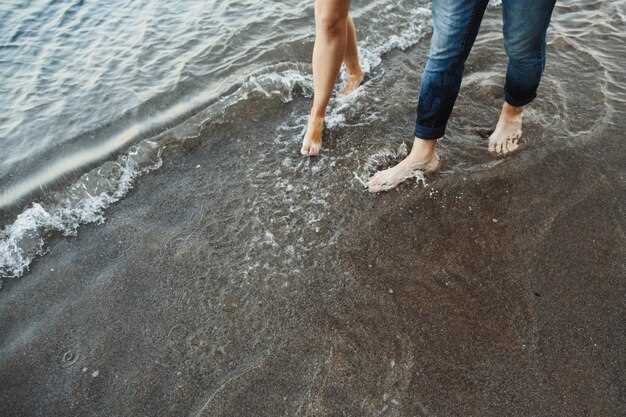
x,y
82,202
86,200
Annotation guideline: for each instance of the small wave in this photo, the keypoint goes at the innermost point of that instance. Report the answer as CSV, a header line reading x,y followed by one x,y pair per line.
x,y
82,202
416,27
283,80
86,200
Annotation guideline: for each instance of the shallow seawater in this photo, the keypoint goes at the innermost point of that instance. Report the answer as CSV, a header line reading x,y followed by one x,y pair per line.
x,y
191,67
193,254
77,101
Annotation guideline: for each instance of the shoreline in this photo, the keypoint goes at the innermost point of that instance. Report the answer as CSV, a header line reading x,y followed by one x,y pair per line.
x,y
461,315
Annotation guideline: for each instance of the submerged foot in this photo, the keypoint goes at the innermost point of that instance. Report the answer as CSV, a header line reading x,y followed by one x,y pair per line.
x,y
392,177
352,83
312,142
506,137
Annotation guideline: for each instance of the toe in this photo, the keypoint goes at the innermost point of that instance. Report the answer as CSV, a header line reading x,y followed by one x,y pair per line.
x,y
314,149
500,148
375,183
310,148
380,182
510,146
375,187
506,146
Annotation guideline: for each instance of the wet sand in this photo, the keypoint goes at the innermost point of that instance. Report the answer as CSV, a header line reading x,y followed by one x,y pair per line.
x,y
502,293
241,281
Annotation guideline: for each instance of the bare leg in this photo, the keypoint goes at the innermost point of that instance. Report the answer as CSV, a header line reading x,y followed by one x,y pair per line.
x,y
423,157
508,131
351,59
331,23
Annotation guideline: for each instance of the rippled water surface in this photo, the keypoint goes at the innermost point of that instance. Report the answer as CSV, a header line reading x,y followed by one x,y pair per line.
x,y
178,256
70,68
75,73
83,81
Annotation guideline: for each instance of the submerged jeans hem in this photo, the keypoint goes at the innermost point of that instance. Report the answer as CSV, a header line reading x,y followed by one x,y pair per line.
x,y
516,102
429,133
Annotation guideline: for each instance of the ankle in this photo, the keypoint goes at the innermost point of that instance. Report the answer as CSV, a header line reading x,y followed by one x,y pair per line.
x,y
317,116
355,72
511,112
423,150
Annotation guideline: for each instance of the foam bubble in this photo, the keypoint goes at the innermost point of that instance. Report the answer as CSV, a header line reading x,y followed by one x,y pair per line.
x,y
385,158
82,202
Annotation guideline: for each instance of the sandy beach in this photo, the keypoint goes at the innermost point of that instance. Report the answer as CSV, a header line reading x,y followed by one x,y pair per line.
x,y
241,280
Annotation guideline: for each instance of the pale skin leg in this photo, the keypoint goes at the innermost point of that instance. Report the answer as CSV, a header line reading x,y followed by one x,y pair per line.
x,y
424,157
335,42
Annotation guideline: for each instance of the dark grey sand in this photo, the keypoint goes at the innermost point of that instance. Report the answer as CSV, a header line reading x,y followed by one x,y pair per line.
x,y
219,287
515,308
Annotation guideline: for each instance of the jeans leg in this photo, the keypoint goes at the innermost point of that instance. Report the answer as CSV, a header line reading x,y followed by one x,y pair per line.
x,y
525,25
455,26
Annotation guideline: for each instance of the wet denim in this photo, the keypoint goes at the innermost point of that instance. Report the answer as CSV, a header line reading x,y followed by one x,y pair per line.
x,y
455,26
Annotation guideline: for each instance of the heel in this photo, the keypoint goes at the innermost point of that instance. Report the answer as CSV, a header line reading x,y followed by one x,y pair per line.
x,y
433,165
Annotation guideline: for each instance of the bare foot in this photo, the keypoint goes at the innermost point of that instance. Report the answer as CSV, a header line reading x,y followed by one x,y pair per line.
x,y
352,83
423,157
313,137
508,131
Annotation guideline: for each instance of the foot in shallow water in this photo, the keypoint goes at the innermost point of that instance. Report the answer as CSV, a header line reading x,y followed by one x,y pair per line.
x,y
352,83
312,142
505,138
423,157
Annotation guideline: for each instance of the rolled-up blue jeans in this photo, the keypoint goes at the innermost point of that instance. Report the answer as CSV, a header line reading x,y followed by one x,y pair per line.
x,y
455,26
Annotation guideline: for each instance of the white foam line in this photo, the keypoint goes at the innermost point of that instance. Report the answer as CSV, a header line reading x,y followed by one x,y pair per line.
x,y
79,159
359,179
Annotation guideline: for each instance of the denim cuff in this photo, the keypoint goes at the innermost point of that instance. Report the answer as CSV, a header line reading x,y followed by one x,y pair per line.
x,y
517,102
429,133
